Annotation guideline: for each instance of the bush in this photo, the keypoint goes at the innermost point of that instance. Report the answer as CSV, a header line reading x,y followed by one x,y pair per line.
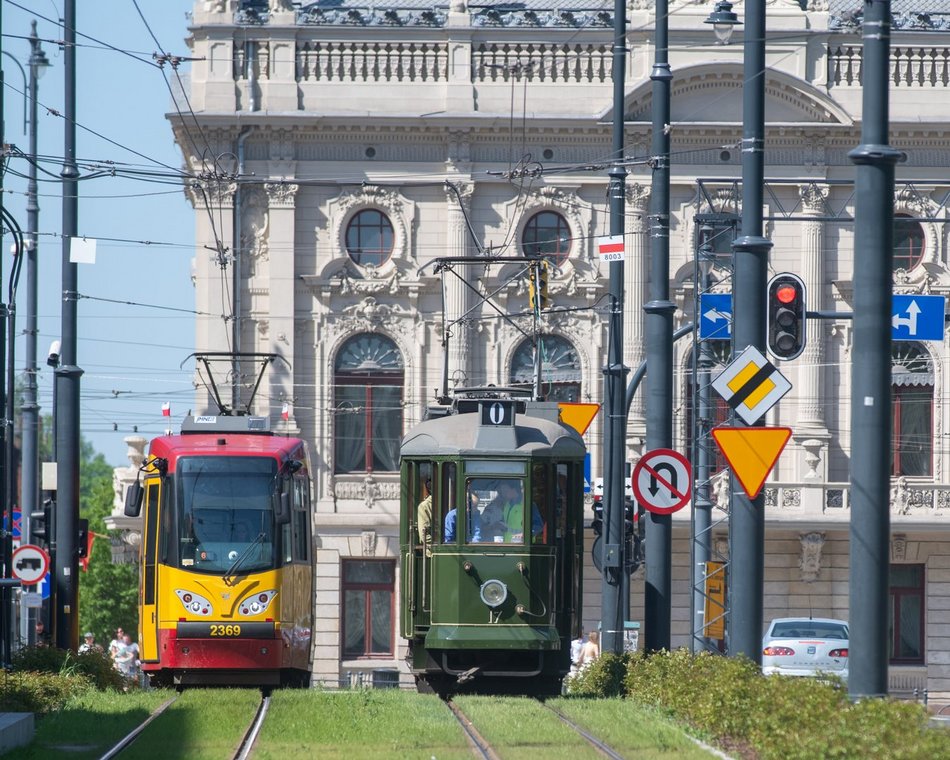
x,y
97,667
38,692
601,678
769,717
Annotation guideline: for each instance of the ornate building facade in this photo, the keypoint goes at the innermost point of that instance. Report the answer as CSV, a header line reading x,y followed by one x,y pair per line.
x,y
340,148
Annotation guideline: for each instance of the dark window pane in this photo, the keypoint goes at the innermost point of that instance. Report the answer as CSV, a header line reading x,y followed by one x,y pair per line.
x,y
367,573
909,639
908,243
381,602
547,234
354,623
907,576
369,238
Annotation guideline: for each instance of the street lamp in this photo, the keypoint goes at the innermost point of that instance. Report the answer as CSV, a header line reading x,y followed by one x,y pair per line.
x,y
723,21
750,255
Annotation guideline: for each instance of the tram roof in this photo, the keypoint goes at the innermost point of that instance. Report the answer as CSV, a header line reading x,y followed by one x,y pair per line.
x,y
457,435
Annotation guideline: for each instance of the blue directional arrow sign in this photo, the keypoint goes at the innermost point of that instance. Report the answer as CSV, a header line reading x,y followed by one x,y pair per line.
x,y
715,316
44,587
917,317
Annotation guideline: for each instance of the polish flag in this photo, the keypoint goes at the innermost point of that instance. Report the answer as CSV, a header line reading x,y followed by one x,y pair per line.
x,y
166,409
285,412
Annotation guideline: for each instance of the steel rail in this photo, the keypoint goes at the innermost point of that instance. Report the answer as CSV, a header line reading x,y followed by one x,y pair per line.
x,y
596,743
247,743
133,735
478,743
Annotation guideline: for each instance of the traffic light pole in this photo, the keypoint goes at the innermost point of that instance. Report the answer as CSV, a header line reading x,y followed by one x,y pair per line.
x,y
871,366
750,266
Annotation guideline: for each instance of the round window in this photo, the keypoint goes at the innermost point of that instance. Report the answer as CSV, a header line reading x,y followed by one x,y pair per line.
x,y
547,234
369,238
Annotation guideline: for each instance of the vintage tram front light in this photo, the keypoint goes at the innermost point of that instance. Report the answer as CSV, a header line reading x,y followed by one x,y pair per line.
x,y
194,603
256,603
493,593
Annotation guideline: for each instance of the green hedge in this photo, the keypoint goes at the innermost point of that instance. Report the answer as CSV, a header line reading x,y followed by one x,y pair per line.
x,y
729,701
41,693
96,666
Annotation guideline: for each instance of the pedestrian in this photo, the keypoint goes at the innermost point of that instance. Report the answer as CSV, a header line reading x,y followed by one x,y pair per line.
x,y
89,643
131,661
576,646
116,644
590,651
42,637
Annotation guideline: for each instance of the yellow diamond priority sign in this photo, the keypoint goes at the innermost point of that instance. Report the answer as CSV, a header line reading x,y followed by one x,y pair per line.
x,y
751,385
751,452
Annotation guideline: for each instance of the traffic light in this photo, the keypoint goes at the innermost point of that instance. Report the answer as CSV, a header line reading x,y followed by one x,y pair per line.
x,y
82,544
40,524
598,522
786,314
543,284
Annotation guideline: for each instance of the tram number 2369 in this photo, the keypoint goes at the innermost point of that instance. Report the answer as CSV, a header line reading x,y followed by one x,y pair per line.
x,y
224,631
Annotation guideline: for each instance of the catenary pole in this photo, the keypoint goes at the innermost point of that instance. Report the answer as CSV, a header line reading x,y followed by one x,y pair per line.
x,y
659,343
614,395
68,374
750,265
871,365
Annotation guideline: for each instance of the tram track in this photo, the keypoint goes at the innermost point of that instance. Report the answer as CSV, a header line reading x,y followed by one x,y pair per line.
x,y
480,746
596,743
129,739
247,743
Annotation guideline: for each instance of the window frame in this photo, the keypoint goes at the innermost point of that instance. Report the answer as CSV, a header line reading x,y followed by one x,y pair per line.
x,y
914,359
366,256
895,594
563,236
367,588
908,234
390,376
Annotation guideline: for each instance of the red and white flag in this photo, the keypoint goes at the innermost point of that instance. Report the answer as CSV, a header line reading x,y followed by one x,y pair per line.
x,y
285,412
166,409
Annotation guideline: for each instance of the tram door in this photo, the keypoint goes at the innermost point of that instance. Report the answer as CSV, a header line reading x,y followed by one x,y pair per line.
x,y
148,594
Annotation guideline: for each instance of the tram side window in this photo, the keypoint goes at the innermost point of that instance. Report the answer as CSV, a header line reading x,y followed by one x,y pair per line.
x,y
421,499
540,503
447,505
561,500
300,521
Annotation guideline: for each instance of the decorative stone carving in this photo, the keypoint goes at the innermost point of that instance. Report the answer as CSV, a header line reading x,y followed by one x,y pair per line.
x,y
813,448
721,546
368,543
374,281
814,198
211,195
898,547
367,490
255,223
810,565
900,496
281,194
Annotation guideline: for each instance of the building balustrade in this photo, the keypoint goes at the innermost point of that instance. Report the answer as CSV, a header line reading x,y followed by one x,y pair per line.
x,y
910,66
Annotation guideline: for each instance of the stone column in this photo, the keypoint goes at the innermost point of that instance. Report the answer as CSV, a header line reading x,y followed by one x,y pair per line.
x,y
811,431
458,296
810,407
212,270
637,246
281,284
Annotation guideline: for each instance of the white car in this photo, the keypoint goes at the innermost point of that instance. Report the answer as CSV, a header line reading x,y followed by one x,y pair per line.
x,y
806,647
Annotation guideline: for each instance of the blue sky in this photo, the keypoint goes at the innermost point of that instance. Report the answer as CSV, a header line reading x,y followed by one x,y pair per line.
x,y
130,354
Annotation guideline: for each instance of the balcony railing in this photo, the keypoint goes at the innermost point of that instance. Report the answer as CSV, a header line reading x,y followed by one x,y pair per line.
x,y
910,66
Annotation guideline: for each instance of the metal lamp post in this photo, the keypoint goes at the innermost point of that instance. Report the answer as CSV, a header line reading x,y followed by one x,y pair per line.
x,y
750,253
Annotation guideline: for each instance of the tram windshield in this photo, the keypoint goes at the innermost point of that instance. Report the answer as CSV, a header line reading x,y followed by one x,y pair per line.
x,y
224,510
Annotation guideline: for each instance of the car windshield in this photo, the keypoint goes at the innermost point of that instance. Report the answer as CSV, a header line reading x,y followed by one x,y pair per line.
x,y
224,508
809,629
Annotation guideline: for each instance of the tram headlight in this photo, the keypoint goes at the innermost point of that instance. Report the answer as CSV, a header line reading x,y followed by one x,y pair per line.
x,y
256,603
493,593
194,603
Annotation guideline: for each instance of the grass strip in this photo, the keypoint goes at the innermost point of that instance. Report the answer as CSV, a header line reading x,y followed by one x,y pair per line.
x,y
630,728
521,727
369,724
89,725
203,724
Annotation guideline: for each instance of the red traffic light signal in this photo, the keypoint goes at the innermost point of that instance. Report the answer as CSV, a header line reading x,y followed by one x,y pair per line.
x,y
786,316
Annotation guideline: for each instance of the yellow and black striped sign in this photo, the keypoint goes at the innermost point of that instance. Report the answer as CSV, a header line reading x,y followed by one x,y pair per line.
x,y
751,385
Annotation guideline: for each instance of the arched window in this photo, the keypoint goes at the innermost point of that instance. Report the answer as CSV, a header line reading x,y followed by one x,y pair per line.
x,y
369,238
908,243
560,368
718,353
547,234
912,397
368,382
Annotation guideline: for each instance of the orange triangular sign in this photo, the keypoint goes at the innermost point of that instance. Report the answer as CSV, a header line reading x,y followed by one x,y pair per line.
x,y
578,416
751,452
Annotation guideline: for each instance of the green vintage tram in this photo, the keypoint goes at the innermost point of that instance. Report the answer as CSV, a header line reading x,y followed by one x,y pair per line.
x,y
491,537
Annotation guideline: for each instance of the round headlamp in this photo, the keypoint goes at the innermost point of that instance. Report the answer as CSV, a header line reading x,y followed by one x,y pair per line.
x,y
493,593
